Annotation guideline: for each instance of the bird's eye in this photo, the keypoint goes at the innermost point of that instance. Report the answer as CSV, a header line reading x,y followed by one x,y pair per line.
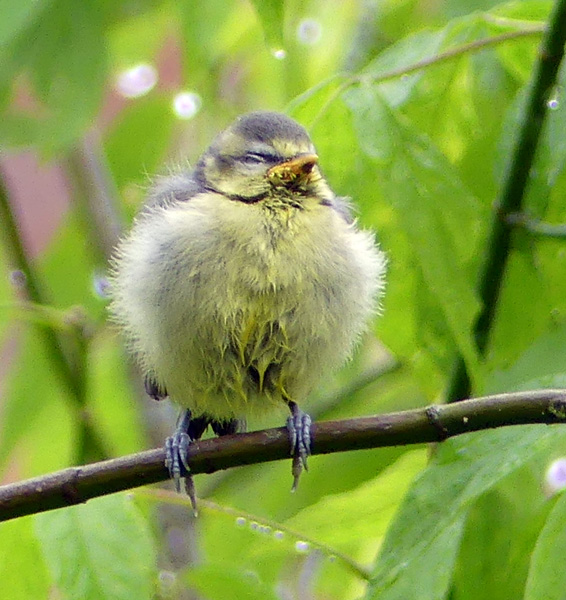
x,y
256,158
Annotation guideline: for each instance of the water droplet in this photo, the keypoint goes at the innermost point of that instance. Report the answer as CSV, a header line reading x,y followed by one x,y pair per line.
x,y
137,81
240,521
554,98
254,525
301,546
555,477
278,535
265,529
101,285
167,581
309,32
186,105
279,53
18,279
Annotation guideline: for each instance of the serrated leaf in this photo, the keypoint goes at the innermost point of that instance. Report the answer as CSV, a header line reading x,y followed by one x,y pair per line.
x,y
360,516
547,576
439,216
403,55
463,469
102,549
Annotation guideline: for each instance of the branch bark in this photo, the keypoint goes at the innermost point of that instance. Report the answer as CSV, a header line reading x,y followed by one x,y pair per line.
x,y
430,424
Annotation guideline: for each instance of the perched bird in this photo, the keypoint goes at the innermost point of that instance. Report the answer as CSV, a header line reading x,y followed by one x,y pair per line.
x,y
242,283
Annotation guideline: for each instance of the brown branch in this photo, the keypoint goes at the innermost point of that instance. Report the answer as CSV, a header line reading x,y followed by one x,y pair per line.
x,y
431,424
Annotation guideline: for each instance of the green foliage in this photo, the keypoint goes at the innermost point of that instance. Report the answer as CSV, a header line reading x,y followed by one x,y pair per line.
x,y
546,577
102,549
415,115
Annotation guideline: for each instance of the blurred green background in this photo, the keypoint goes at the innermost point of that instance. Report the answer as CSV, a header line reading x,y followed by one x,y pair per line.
x,y
414,107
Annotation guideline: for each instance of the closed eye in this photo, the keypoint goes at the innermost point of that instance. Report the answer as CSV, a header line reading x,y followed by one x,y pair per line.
x,y
256,158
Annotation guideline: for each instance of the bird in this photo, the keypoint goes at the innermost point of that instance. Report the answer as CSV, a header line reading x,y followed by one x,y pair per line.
x,y
242,283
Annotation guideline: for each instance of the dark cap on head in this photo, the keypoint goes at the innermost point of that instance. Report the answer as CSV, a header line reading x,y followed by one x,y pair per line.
x,y
265,126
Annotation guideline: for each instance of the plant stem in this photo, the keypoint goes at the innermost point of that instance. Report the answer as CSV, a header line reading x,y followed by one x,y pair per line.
x,y
96,196
512,194
19,260
66,353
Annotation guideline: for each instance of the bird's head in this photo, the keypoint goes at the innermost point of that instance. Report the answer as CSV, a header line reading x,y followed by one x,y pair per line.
x,y
261,154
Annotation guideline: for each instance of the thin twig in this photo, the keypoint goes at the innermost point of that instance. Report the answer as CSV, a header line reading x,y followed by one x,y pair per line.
x,y
512,193
537,228
18,259
403,71
66,353
96,195
432,424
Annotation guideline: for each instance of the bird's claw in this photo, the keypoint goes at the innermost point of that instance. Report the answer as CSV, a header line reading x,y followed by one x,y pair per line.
x,y
176,449
299,429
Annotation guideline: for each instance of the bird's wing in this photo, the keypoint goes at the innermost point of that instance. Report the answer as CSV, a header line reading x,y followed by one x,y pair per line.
x,y
172,188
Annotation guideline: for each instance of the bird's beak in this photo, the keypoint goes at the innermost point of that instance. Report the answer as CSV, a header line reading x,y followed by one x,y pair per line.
x,y
298,168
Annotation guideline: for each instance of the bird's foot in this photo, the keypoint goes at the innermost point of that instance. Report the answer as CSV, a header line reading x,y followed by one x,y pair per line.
x,y
299,429
176,449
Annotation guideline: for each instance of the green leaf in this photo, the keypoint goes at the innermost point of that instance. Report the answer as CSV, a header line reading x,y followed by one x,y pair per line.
x,y
464,468
542,365
403,55
66,74
271,14
439,216
135,149
17,15
111,403
102,549
22,569
18,131
501,531
428,574
550,159
218,582
359,518
365,512
139,37
24,417
547,576
518,57
522,298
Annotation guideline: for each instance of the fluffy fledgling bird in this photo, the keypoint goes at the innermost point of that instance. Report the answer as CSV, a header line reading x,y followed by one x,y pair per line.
x,y
243,282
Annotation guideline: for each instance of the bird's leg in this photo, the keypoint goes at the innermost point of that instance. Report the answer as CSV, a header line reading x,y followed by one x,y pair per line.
x,y
299,428
176,448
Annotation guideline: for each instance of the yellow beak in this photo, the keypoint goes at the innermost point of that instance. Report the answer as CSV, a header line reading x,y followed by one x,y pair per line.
x,y
299,167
